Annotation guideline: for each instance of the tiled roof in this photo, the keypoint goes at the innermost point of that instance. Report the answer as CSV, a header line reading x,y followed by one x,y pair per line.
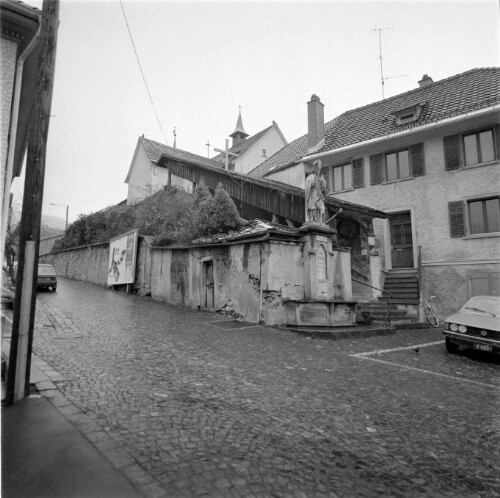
x,y
154,150
466,92
253,228
244,145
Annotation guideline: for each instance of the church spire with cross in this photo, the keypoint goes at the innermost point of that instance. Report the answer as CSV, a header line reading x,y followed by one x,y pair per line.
x,y
239,134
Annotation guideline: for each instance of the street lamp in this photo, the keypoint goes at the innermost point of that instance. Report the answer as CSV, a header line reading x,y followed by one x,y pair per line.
x,y
67,210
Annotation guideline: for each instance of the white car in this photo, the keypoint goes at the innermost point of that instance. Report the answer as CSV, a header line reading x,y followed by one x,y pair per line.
x,y
476,325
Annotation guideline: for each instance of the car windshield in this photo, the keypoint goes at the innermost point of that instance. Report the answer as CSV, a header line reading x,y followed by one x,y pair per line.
x,y
484,305
46,270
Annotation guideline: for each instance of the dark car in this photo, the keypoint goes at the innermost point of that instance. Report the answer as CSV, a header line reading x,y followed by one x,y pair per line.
x,y
46,278
476,325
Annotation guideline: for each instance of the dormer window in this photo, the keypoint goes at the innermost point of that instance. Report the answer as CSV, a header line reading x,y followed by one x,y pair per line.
x,y
408,115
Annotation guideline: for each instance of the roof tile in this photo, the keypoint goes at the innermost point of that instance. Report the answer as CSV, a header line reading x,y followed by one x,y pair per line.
x,y
466,92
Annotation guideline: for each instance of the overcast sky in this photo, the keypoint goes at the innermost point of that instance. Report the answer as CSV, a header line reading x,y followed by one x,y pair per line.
x,y
202,60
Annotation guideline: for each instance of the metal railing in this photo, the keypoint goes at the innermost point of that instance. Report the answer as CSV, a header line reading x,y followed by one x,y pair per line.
x,y
387,319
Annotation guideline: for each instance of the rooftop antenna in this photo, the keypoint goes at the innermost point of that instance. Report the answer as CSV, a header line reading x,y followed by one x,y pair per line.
x,y
208,148
174,131
382,78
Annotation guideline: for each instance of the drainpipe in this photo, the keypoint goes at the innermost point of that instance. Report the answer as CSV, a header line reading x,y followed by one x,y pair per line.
x,y
13,134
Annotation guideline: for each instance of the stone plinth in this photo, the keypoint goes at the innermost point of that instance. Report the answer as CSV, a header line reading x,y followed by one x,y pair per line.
x,y
320,313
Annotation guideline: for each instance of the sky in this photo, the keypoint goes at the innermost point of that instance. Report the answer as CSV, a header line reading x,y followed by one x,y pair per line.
x,y
202,60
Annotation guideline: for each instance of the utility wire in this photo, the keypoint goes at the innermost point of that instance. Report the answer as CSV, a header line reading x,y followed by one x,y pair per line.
x,y
143,77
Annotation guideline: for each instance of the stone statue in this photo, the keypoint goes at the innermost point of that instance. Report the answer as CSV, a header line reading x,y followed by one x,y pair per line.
x,y
316,190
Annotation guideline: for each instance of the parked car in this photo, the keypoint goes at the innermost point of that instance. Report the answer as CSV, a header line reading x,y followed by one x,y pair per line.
x,y
476,325
46,278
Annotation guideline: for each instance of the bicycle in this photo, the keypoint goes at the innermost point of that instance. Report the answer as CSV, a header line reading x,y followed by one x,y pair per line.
x,y
430,312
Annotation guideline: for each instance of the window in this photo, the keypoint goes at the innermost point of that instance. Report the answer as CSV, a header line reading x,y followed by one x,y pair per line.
x,y
478,148
483,283
469,150
408,115
484,215
346,176
397,165
341,178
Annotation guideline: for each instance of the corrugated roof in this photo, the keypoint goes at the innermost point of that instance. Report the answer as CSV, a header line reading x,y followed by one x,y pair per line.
x,y
454,96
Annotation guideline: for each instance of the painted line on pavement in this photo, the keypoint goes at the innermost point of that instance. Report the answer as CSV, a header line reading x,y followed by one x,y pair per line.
x,y
446,376
7,318
402,348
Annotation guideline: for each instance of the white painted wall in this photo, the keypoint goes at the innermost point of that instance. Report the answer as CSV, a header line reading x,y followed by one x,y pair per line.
x,y
272,142
146,178
295,175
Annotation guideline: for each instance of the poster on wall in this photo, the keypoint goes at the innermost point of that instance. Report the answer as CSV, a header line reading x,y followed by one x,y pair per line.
x,y
122,257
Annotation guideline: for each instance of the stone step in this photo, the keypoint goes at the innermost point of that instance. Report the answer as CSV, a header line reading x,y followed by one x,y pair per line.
x,y
412,285
400,300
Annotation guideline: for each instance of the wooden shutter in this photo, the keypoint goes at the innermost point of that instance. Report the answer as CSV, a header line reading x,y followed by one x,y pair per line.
x,y
376,163
457,219
358,179
452,154
496,133
417,159
326,173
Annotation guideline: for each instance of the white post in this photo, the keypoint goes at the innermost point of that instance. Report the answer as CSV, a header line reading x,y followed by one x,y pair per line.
x,y
24,321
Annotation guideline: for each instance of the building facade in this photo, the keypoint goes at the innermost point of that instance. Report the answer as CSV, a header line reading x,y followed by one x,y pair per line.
x,y
429,159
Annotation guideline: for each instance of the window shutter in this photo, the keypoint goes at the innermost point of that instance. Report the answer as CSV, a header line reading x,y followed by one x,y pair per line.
x,y
496,132
457,221
358,179
417,159
326,173
452,156
376,169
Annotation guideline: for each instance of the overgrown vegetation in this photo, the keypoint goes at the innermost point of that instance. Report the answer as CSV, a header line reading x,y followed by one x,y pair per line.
x,y
172,216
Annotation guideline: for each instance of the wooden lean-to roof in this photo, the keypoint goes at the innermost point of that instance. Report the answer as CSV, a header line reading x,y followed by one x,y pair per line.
x,y
272,196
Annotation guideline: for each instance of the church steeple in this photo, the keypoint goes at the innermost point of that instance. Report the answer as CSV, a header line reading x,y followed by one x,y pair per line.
x,y
239,134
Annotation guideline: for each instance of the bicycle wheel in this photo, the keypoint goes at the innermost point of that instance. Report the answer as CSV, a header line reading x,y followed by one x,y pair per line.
x,y
430,314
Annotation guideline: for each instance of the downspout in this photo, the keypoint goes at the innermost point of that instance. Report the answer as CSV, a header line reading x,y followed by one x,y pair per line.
x,y
13,134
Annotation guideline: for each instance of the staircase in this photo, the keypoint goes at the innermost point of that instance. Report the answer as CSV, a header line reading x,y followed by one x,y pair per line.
x,y
403,285
403,299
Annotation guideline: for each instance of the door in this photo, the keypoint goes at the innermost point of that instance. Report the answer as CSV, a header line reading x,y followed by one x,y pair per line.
x,y
401,240
208,284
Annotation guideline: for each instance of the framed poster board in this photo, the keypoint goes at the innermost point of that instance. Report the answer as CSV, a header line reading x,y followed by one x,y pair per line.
x,y
122,258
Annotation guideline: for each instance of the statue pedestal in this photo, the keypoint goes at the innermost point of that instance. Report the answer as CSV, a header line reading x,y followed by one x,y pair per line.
x,y
318,260
327,281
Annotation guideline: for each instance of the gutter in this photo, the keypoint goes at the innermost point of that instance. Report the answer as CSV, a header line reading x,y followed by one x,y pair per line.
x,y
410,131
13,131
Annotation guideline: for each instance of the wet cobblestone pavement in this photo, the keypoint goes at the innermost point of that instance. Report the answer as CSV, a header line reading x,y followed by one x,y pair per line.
x,y
192,404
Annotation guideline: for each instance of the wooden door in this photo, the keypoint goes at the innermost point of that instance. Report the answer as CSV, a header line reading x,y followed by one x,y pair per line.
x,y
401,240
208,275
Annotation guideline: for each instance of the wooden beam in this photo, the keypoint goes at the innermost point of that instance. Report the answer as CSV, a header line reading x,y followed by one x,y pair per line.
x,y
29,236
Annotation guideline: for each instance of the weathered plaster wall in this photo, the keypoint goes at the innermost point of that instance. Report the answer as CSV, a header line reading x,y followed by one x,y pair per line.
x,y
450,284
88,264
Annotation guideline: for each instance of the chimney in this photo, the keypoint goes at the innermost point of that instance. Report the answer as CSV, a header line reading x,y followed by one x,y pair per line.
x,y
315,122
425,81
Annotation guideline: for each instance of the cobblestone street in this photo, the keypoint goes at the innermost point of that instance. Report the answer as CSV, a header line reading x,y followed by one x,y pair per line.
x,y
192,404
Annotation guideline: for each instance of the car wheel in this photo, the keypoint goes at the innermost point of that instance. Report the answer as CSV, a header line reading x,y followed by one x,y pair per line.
x,y
451,347
54,288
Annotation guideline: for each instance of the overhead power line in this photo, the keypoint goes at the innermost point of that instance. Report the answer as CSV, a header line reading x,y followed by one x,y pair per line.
x,y
142,72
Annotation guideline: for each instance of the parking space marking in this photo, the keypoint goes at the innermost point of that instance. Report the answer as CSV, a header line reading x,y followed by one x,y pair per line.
x,y
446,376
7,318
402,348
